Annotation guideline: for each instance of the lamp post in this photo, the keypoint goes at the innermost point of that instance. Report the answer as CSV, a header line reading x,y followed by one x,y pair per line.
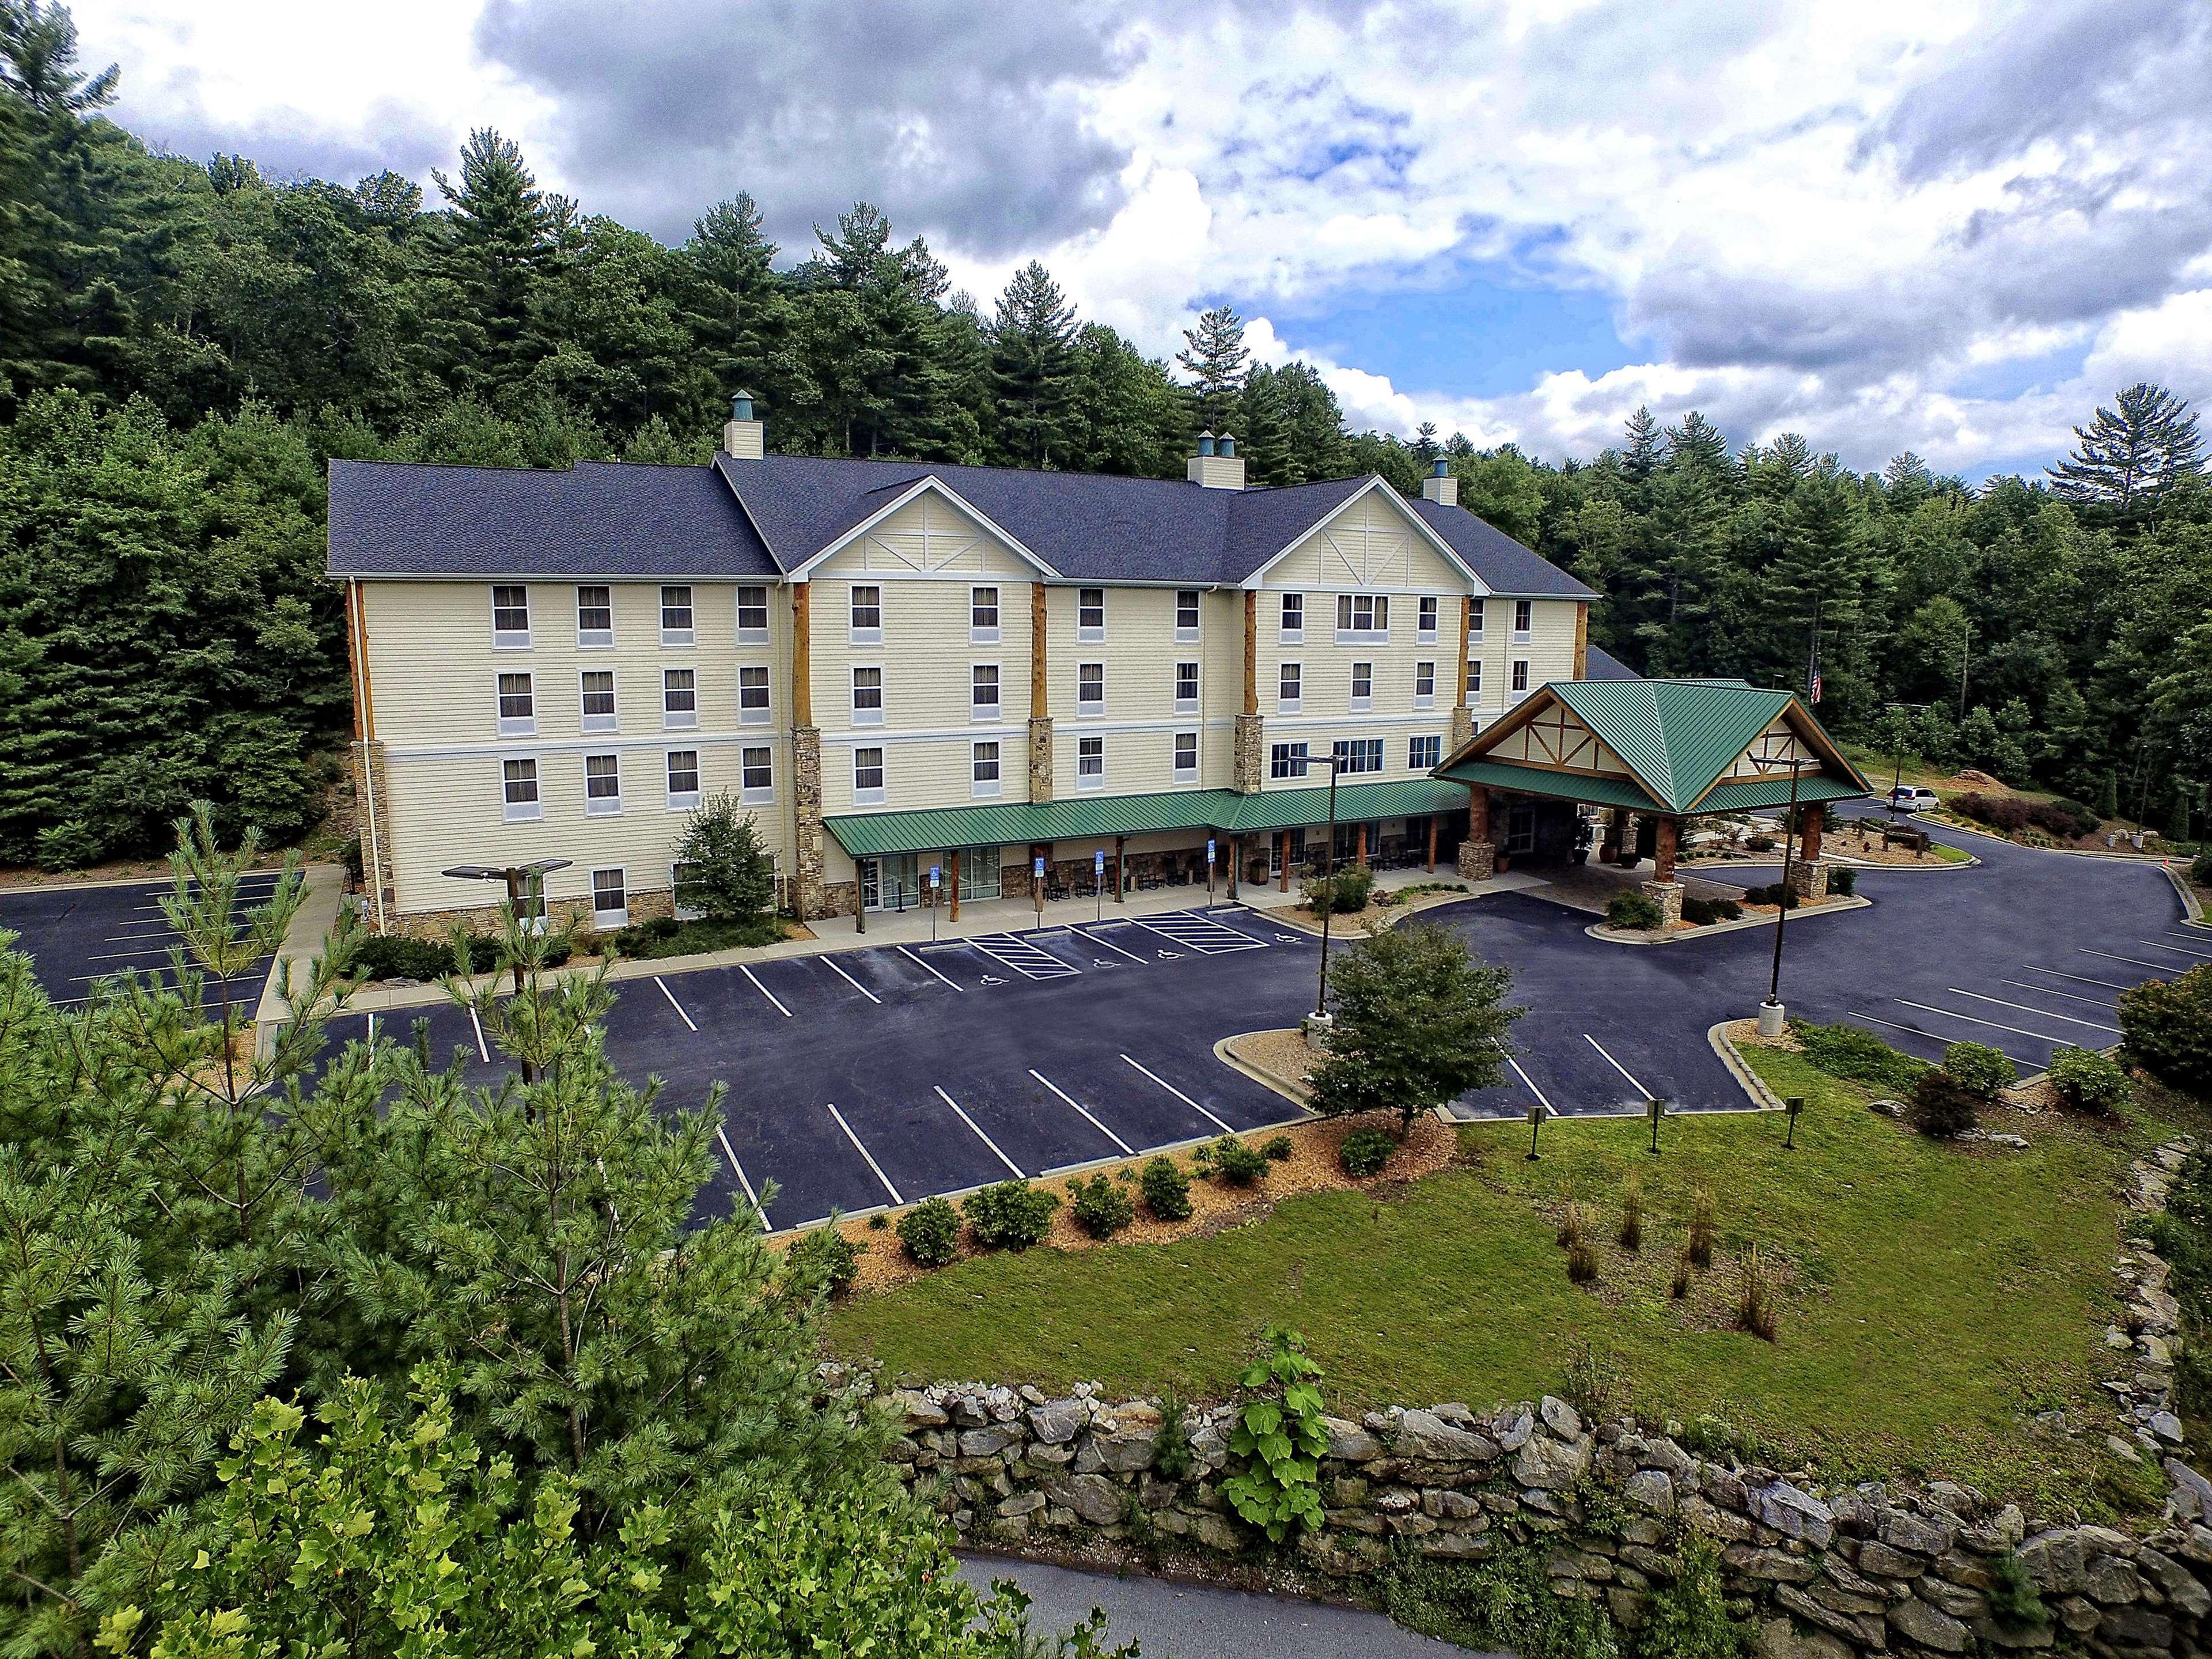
x,y
1896,778
520,879
1328,887
1770,1012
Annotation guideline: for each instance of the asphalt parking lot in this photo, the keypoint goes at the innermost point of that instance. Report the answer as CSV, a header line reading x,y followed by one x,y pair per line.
x,y
75,935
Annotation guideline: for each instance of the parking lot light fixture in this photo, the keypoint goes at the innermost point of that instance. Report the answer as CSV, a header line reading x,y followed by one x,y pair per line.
x,y
1771,1016
522,881
1329,889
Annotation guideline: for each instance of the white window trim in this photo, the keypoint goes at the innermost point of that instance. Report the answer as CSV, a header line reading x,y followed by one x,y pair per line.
x,y
594,639
751,795
524,726
600,806
679,719
1427,635
1522,635
1284,632
1188,635
877,796
679,639
1085,635
986,715
1091,709
1413,765
856,634
1177,769
675,881
1361,702
604,919
597,722
868,716
977,633
531,811
763,716
1087,780
1188,705
1425,699
985,788
510,639
748,636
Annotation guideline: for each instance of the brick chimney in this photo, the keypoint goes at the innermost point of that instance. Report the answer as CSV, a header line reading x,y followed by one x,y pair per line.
x,y
1440,486
743,437
1217,465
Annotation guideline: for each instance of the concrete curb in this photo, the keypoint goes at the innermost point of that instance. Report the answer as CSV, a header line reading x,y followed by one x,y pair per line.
x,y
1397,913
2114,857
2193,914
1764,1098
1605,935
1290,1089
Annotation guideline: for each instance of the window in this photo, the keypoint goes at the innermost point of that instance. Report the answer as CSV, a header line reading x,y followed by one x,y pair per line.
x,y
602,784
1294,618
1359,754
520,780
680,876
517,710
752,696
1186,687
1422,754
598,700
1091,688
1520,675
984,769
756,777
679,698
1290,681
1523,619
1474,621
867,616
1089,613
1090,763
1186,757
983,691
752,616
595,618
1424,685
610,903
1427,624
1363,616
983,615
682,777
868,777
1288,759
1363,685
510,618
867,697
676,615
1186,613
1473,682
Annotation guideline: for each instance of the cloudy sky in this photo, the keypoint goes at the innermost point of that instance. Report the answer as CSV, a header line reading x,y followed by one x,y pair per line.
x,y
1941,225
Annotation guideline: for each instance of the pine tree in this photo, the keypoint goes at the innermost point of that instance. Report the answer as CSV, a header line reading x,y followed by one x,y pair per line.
x,y
1640,460
1033,368
2134,453
723,869
501,244
1215,358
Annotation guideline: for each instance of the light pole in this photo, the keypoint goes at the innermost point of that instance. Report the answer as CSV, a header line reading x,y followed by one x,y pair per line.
x,y
520,878
1329,888
1897,778
1770,1012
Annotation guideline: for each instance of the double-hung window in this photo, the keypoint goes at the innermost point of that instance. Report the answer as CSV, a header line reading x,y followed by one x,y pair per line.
x,y
518,708
1091,688
595,618
867,697
1520,677
598,690
1186,614
1473,681
1424,685
1090,763
609,903
982,616
983,770
682,779
752,615
676,616
1427,624
1186,757
519,779
983,691
868,615
756,777
679,699
1524,613
1361,616
1422,754
1359,754
867,777
1474,609
602,784
1293,631
510,618
1290,687
1288,759
1089,613
1186,687
1363,686
752,696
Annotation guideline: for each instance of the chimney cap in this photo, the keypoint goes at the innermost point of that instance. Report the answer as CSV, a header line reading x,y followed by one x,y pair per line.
x,y
1205,443
741,406
1441,469
1226,444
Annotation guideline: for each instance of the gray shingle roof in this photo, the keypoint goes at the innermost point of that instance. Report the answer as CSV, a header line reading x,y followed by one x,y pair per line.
x,y
759,516
1604,665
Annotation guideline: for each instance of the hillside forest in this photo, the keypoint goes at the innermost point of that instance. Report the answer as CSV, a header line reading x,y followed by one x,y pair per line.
x,y
185,345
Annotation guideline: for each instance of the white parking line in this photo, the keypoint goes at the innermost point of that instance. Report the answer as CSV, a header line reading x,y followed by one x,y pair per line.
x,y
1617,1066
1931,1036
2178,950
672,1002
152,955
1531,1082
2109,984
868,1155
1100,939
1016,948
854,983
2070,996
1995,1025
2162,967
919,963
2028,1008
980,1135
1085,1111
1182,1096
737,1168
482,1052
765,992
2198,932
1193,940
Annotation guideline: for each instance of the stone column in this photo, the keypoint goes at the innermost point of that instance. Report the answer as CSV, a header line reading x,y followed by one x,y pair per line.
x,y
1808,876
1478,855
1667,896
1248,773
806,790
1608,850
1625,828
1040,719
1462,725
1041,760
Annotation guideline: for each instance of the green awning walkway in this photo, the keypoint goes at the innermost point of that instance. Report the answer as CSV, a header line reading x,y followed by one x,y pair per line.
x,y
1095,817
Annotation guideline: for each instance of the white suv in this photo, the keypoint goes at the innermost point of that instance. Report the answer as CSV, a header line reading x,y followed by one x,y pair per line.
x,y
1907,798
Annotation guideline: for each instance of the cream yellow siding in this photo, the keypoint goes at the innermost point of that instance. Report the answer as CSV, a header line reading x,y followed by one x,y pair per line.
x,y
1555,738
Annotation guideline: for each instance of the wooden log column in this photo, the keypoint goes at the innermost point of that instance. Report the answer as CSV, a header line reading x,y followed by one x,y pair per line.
x,y
1283,860
1432,843
1662,854
952,882
1039,734
1120,870
1809,824
1360,845
1235,857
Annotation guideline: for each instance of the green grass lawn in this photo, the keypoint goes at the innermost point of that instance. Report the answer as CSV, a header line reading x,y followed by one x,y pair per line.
x,y
1937,1296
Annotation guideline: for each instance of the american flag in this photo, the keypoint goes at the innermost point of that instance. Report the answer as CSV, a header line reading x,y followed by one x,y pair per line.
x,y
1816,686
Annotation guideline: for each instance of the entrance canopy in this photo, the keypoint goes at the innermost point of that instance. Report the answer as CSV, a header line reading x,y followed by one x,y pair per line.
x,y
1088,818
1670,747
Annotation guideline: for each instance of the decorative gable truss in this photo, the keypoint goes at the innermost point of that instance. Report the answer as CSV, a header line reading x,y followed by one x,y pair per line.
x,y
1772,753
1374,540
928,531
1548,734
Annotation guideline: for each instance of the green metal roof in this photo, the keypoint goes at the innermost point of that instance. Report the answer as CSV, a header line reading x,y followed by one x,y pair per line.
x,y
865,835
1775,792
1593,789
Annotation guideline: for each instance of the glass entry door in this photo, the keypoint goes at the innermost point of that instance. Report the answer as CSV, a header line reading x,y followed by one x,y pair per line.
x,y
979,873
891,882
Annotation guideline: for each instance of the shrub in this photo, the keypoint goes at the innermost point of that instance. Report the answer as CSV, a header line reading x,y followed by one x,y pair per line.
x,y
1505,1604
1859,1056
1364,1151
2089,1082
1690,1618
1773,893
2069,820
1942,1106
1166,1189
1704,912
1235,1163
2200,868
1631,1215
1760,844
1280,1435
393,956
1754,1310
2014,1601
1703,1210
1341,893
1843,883
827,1255
1100,1206
1171,1455
1678,1286
1983,1069
1278,1148
2006,813
1633,909
1012,1215
931,1232
1581,1262
2167,1029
